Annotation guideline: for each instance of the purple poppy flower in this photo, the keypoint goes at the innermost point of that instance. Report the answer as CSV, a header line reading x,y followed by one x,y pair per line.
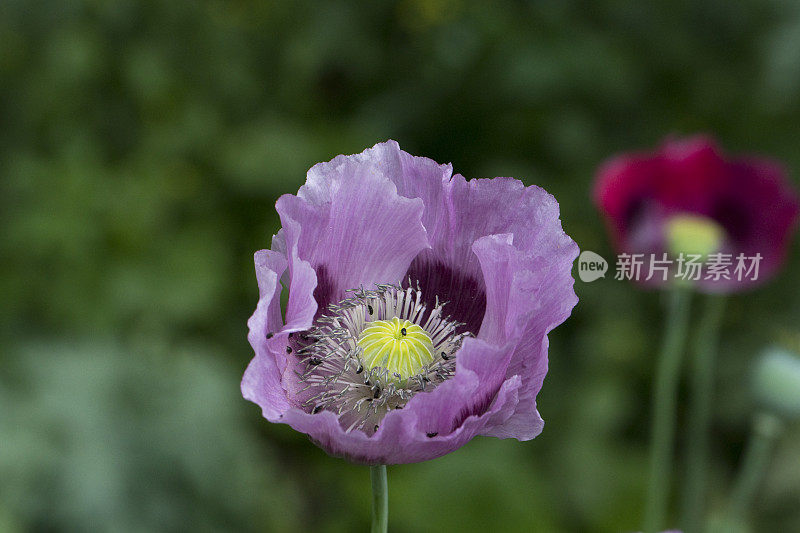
x,y
418,309
687,196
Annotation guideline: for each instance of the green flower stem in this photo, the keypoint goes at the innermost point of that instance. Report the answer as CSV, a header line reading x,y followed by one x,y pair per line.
x,y
702,390
766,429
664,400
380,499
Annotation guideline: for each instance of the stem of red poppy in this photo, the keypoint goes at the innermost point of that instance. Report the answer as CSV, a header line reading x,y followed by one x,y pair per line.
x,y
702,389
766,429
380,499
664,400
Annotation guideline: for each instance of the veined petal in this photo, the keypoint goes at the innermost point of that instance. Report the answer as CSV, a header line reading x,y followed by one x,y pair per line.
x,y
528,294
475,209
480,372
432,424
350,225
261,383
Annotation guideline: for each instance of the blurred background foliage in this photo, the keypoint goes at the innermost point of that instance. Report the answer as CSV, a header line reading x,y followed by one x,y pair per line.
x,y
142,148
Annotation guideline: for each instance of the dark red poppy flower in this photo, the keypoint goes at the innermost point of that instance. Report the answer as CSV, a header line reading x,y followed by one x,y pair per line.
x,y
688,196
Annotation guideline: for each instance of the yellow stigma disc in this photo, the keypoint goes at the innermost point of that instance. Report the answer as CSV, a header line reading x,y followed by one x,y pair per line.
x,y
693,234
399,346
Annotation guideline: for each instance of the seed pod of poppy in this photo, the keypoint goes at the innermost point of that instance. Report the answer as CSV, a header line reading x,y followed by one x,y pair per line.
x,y
776,382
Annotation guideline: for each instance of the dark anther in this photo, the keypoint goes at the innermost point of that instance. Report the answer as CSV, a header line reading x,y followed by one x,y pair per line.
x,y
316,410
368,383
367,399
376,427
370,309
445,356
403,331
360,369
431,435
377,393
398,406
315,361
290,335
288,349
426,379
269,335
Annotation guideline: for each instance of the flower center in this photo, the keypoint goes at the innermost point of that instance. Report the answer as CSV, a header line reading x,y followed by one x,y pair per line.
x,y
693,234
372,352
399,346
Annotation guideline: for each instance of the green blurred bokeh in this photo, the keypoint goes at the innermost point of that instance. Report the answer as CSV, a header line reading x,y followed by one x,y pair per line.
x,y
143,146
